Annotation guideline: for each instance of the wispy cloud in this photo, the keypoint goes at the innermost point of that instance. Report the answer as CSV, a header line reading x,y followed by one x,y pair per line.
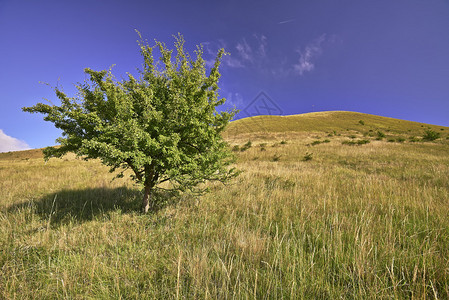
x,y
244,50
211,50
8,143
286,21
306,62
262,44
234,99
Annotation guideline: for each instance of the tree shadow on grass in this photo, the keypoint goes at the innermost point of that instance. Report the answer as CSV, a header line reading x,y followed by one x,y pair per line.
x,y
78,206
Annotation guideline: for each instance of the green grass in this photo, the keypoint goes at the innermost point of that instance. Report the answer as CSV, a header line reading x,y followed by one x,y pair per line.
x,y
353,222
330,121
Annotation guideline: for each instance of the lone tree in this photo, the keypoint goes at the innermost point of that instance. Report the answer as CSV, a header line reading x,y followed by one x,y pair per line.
x,y
163,126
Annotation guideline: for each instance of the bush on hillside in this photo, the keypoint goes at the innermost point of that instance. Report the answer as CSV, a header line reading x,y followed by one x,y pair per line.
x,y
431,135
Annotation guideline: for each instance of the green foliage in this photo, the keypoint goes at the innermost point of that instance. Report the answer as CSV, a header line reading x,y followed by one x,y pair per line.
x,y
163,125
359,142
380,135
283,142
413,139
361,122
307,156
317,142
276,157
246,146
431,135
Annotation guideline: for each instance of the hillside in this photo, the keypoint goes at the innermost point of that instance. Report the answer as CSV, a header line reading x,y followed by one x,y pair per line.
x,y
324,209
329,121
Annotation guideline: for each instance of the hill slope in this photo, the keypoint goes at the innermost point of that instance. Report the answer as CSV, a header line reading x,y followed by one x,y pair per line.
x,y
311,217
328,121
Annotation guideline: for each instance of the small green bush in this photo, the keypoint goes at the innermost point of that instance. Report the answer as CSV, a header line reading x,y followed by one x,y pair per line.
x,y
413,139
359,142
276,157
431,135
283,142
391,140
307,156
400,140
315,143
246,146
380,135
236,148
363,142
361,122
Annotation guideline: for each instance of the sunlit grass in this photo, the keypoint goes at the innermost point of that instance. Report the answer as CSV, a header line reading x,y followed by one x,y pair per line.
x,y
364,221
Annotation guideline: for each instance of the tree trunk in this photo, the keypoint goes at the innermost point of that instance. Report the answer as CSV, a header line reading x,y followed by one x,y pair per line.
x,y
146,199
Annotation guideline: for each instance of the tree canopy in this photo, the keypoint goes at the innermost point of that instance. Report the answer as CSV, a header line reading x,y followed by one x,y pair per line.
x,y
163,125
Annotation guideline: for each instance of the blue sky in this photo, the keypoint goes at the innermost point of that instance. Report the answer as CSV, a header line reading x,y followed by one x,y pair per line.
x,y
384,57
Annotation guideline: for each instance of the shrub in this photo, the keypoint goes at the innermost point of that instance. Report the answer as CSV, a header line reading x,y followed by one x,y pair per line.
x,y
307,156
380,135
391,140
236,148
430,135
315,143
246,146
361,122
359,142
276,157
400,140
283,142
363,142
413,139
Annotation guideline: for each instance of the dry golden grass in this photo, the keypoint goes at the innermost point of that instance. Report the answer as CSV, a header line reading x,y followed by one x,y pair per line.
x,y
368,221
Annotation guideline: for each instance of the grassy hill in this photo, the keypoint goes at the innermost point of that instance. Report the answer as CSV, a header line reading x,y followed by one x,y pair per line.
x,y
311,217
328,121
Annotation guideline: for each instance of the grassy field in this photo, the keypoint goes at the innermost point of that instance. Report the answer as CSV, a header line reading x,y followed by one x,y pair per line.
x,y
309,218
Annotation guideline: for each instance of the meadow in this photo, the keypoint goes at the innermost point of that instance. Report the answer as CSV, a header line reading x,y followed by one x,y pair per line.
x,y
310,217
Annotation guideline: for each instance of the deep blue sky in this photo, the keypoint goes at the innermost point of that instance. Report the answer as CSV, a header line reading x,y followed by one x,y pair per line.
x,y
384,57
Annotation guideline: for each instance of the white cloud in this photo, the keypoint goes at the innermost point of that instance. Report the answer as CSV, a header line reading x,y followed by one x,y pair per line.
x,y
244,50
232,62
262,44
308,54
235,99
8,143
248,52
286,21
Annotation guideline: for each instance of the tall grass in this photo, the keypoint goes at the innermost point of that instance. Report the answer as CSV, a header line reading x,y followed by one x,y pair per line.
x,y
353,222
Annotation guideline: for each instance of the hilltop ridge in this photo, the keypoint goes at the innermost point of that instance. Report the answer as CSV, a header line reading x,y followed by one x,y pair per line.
x,y
327,121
